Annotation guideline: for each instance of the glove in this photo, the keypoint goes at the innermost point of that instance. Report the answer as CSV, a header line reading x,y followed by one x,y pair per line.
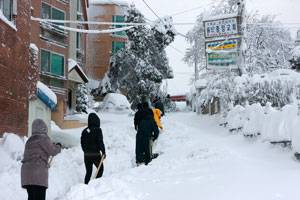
x,y
58,144
104,155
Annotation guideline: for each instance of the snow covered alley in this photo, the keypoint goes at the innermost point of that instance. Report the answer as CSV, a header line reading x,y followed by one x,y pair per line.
x,y
199,160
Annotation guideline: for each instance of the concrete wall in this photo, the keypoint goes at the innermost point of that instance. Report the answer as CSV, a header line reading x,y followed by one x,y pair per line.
x,y
38,110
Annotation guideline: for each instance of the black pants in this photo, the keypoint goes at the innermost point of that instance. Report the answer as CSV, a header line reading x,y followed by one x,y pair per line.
x,y
36,192
143,150
89,161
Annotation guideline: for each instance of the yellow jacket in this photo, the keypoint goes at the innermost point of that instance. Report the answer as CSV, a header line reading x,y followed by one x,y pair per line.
x,y
156,113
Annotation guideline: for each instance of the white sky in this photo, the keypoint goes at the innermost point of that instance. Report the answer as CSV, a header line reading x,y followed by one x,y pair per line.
x,y
287,11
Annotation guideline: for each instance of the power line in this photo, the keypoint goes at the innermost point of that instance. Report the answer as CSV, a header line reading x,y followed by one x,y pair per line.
x,y
153,11
179,13
177,49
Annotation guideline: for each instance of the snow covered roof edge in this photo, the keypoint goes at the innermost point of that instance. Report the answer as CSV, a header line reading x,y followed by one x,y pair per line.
x,y
72,64
108,2
208,17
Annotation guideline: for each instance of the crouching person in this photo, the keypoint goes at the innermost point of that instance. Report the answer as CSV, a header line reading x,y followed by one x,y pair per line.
x,y
34,171
92,144
147,131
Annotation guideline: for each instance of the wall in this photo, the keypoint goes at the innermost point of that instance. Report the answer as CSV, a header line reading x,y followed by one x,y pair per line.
x,y
18,72
100,45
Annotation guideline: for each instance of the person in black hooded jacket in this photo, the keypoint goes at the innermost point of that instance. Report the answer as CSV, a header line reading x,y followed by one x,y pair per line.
x,y
92,144
138,116
147,131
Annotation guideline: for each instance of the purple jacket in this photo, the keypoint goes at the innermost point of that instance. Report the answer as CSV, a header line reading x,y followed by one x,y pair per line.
x,y
38,149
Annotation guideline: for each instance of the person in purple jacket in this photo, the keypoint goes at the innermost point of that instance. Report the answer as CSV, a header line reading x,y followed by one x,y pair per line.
x,y
34,171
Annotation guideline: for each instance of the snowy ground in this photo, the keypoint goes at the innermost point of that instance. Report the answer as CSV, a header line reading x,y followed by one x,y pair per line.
x,y
199,160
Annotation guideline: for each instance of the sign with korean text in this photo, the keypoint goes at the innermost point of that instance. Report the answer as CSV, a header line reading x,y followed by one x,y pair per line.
x,y
222,54
221,27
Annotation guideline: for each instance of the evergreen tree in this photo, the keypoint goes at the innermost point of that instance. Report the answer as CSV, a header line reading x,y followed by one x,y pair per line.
x,y
82,98
141,66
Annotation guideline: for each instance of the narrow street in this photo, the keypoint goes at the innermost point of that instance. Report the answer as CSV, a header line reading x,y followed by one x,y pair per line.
x,y
199,160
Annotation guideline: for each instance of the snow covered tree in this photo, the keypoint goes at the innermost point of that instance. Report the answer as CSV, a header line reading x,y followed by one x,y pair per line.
x,y
295,58
268,44
82,98
266,48
141,66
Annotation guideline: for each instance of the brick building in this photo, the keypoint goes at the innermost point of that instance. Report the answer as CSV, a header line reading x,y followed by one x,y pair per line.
x,y
18,68
102,46
33,51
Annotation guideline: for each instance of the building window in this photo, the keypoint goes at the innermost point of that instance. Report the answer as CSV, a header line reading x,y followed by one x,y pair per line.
x,y
51,31
78,41
116,46
8,8
119,19
52,64
79,7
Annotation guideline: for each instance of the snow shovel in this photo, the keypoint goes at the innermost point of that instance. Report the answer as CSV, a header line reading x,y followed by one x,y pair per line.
x,y
102,158
51,161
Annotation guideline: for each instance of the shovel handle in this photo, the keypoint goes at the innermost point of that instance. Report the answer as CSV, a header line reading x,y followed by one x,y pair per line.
x,y
102,158
51,160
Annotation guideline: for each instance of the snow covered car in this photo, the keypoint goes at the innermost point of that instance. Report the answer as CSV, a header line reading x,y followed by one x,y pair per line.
x,y
115,102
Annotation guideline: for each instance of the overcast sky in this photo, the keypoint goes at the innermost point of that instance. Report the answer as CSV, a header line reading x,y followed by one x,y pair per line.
x,y
287,11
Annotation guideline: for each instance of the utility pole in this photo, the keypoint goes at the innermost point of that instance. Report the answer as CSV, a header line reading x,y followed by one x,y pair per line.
x,y
241,10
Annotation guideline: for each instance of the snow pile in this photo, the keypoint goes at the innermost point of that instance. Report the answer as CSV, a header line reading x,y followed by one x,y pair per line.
x,y
236,117
255,116
201,83
274,125
34,47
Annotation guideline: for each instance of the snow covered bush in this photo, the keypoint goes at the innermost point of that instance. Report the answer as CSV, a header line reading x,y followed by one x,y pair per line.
x,y
236,118
295,58
255,118
280,88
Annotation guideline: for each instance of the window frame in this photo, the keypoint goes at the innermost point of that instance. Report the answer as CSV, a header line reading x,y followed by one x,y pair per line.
x,y
49,73
114,20
12,9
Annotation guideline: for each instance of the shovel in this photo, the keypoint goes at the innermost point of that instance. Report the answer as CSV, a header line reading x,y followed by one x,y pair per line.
x,y
102,158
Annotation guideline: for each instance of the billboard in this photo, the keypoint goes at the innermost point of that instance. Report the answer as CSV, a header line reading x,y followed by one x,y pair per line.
x,y
222,54
221,27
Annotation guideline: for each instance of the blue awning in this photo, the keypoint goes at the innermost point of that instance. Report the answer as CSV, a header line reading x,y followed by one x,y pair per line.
x,y
46,99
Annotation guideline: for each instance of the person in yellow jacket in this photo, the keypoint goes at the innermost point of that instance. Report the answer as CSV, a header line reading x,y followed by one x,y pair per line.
x,y
157,117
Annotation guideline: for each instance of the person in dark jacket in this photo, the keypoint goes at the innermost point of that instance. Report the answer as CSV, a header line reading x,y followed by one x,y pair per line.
x,y
92,144
34,170
158,104
147,131
146,109
138,116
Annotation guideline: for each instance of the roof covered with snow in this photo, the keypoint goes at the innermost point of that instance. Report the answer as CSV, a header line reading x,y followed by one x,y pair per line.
x,y
47,91
72,64
108,2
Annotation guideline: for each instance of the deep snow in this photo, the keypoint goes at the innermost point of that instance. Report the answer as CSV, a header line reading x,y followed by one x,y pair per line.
x,y
199,160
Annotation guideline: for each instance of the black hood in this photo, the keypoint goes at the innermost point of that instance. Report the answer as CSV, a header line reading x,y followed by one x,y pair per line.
x,y
139,106
93,120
